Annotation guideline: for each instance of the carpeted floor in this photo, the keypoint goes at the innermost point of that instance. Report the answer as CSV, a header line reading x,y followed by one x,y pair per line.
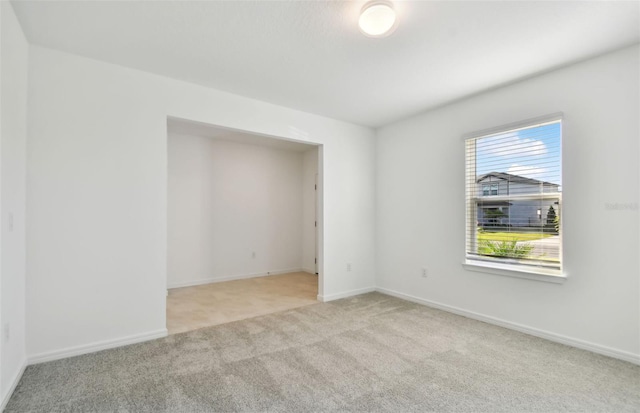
x,y
366,353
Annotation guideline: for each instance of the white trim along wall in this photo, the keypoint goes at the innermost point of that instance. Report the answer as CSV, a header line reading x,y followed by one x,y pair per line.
x,y
96,202
421,207
235,209
98,223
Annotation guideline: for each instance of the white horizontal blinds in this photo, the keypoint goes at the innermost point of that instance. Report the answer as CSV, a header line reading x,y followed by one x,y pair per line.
x,y
514,195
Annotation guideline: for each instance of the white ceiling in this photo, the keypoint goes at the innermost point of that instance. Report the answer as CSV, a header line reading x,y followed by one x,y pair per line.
x,y
309,55
188,127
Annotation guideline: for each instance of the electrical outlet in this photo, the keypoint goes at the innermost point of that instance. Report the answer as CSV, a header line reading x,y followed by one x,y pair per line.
x,y
424,272
6,331
348,266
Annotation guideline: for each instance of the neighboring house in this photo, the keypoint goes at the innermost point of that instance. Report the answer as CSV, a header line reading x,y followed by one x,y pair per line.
x,y
515,201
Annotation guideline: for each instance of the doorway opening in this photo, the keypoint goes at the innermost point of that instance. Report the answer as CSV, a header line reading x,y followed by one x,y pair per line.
x,y
244,224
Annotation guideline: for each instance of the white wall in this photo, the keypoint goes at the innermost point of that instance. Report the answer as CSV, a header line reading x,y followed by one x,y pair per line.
x,y
97,196
309,171
420,217
14,69
227,201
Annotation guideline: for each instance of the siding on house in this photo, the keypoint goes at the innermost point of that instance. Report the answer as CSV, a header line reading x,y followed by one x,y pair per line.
x,y
494,210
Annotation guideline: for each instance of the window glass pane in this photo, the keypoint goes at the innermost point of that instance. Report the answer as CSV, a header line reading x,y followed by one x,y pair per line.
x,y
514,190
532,154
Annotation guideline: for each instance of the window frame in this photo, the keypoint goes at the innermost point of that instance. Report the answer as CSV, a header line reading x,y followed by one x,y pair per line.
x,y
493,266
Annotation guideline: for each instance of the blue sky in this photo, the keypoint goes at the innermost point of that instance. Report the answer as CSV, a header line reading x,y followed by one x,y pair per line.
x,y
533,153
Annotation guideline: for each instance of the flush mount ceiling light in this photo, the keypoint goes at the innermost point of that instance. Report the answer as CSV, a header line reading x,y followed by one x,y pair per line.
x,y
377,18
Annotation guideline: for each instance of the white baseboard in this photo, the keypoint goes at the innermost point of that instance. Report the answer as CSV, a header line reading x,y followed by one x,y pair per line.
x,y
351,293
96,346
558,338
203,281
309,270
14,384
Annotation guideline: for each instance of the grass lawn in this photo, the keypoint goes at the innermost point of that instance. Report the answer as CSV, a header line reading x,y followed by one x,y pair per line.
x,y
510,236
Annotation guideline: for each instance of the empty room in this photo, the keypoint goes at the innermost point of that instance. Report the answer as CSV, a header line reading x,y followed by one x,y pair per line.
x,y
216,206
241,225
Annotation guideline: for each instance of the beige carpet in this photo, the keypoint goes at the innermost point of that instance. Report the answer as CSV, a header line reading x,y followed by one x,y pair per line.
x,y
366,353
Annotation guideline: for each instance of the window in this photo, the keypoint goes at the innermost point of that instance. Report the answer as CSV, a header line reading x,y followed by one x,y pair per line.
x,y
491,189
514,198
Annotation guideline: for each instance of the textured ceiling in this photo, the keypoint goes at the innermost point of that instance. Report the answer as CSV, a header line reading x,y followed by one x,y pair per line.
x,y
310,55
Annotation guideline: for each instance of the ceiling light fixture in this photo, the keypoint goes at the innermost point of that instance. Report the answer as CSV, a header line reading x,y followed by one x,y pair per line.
x,y
377,18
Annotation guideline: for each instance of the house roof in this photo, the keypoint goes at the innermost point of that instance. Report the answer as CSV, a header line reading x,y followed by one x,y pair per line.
x,y
512,178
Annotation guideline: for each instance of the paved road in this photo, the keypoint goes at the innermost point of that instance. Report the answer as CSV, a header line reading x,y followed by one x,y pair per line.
x,y
547,247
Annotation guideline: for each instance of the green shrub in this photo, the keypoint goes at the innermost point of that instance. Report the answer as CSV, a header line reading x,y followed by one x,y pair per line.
x,y
505,249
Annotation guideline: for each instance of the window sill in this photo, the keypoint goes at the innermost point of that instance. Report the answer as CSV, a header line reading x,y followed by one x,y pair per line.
x,y
536,274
